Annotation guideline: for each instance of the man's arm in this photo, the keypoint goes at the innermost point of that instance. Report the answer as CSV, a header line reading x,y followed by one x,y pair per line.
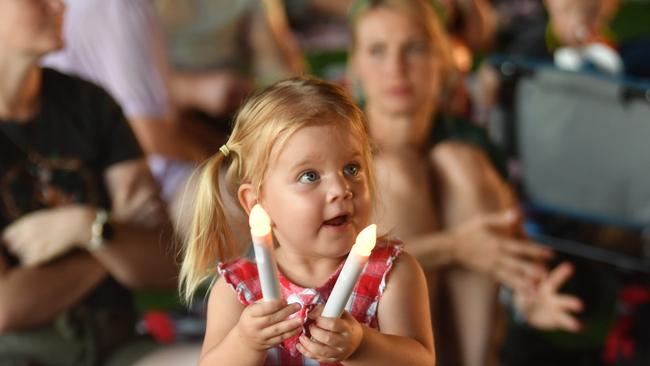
x,y
140,255
32,296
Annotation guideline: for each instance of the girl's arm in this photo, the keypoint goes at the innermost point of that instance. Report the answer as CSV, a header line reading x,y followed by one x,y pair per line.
x,y
220,342
406,336
239,335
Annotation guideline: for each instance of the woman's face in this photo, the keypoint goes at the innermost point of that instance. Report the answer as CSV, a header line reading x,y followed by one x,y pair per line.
x,y
573,21
395,62
32,27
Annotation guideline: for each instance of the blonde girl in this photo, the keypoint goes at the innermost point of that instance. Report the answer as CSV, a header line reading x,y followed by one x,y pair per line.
x,y
300,149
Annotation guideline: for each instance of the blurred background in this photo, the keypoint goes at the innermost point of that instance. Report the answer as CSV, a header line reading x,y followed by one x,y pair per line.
x,y
560,87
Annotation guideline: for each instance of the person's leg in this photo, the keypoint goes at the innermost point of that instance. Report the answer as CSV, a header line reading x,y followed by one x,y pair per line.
x,y
473,298
469,187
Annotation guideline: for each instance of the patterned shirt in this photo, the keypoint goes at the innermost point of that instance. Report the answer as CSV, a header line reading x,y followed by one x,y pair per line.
x,y
242,277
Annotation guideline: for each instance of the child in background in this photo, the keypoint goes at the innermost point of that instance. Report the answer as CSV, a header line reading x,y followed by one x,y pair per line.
x,y
300,149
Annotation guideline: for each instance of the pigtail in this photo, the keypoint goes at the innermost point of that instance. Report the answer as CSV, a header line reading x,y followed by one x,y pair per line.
x,y
210,239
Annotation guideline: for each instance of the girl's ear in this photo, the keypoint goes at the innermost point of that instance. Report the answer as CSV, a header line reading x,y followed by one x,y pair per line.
x,y
247,196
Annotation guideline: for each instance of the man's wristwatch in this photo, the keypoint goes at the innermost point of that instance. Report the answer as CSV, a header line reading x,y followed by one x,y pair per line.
x,y
101,231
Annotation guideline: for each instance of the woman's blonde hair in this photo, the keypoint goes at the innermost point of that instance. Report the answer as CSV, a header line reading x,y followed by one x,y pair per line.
x,y
422,12
265,122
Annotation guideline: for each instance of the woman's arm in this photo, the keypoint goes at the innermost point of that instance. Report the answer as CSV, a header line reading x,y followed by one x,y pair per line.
x,y
480,221
406,336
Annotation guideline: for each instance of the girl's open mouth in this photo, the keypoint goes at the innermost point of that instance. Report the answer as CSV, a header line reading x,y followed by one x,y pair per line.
x,y
337,221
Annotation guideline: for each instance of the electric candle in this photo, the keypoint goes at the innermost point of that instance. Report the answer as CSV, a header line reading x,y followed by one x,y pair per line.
x,y
350,272
260,224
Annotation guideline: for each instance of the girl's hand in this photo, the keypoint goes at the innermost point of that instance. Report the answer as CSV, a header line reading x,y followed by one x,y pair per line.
x,y
264,324
332,339
545,308
45,234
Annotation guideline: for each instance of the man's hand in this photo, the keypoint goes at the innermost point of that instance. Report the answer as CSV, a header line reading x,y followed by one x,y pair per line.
x,y
45,234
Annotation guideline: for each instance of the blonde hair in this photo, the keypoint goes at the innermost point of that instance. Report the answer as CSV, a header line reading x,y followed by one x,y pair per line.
x,y
266,121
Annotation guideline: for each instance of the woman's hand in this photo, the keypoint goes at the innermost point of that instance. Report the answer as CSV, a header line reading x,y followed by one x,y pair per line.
x,y
332,339
545,308
485,245
264,324
45,234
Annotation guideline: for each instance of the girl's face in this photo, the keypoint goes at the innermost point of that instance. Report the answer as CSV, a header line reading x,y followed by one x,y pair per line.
x,y
395,62
32,27
316,192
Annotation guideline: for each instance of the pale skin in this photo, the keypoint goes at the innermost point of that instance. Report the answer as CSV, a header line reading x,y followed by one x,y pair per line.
x,y
55,267
447,203
328,183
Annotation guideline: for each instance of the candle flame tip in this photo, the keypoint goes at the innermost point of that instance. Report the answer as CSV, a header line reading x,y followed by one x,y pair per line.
x,y
259,221
366,240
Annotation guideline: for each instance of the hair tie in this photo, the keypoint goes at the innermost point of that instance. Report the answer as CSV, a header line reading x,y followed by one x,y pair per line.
x,y
224,150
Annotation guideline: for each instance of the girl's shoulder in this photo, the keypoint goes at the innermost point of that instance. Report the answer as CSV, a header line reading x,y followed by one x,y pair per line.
x,y
241,275
379,265
386,249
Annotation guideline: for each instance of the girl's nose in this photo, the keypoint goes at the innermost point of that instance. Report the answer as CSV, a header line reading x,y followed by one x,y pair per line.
x,y
339,189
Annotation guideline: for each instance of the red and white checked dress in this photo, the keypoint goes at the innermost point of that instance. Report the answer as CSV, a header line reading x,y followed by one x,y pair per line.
x,y
242,277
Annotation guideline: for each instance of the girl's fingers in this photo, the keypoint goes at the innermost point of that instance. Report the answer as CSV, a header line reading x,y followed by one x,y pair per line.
x,y
316,350
263,308
282,331
266,308
331,324
326,337
283,313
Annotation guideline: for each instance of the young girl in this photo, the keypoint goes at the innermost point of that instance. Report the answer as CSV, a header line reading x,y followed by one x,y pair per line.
x,y
300,149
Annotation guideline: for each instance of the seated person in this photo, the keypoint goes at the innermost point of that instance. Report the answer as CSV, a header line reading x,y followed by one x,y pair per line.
x,y
443,196
80,216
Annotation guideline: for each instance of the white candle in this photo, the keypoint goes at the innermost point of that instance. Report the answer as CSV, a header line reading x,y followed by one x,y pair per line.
x,y
350,272
260,224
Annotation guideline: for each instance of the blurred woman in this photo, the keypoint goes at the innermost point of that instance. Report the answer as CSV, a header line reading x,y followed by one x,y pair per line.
x,y
444,198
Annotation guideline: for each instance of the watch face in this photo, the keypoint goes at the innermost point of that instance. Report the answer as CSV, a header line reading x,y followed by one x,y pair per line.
x,y
108,231
101,230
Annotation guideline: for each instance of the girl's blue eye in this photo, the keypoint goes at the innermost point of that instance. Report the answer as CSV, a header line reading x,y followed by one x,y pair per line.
x,y
308,177
351,169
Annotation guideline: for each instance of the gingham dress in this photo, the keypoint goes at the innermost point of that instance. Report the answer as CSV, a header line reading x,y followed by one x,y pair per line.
x,y
242,277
